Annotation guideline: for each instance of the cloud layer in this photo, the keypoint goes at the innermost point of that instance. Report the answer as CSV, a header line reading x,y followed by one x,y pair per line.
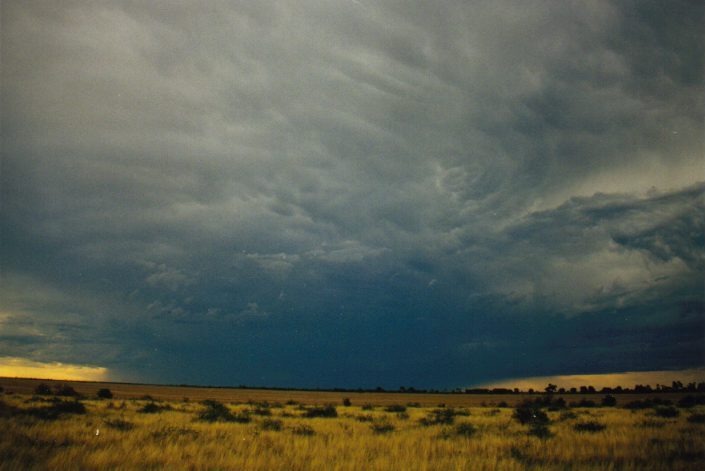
x,y
331,193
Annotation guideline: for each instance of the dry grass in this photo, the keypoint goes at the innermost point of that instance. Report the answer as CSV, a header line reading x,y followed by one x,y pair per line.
x,y
113,434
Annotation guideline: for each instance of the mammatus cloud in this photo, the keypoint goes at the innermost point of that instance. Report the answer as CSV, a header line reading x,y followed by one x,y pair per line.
x,y
12,367
350,193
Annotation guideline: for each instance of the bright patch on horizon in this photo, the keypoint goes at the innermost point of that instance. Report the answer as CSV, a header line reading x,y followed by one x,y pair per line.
x,y
611,380
14,367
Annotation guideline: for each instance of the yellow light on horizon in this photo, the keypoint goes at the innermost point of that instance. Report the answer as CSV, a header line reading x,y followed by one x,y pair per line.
x,y
15,367
625,379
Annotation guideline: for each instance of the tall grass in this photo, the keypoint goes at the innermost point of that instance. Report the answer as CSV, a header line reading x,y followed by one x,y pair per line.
x,y
181,437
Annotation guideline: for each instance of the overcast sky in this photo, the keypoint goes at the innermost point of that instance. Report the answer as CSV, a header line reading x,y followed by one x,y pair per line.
x,y
353,193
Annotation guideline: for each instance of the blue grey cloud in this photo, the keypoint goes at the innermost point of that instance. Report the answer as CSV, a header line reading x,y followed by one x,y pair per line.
x,y
343,193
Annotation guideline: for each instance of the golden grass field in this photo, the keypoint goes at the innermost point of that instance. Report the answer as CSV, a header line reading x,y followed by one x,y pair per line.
x,y
115,434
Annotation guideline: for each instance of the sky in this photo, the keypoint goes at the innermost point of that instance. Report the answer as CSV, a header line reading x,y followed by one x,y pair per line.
x,y
352,193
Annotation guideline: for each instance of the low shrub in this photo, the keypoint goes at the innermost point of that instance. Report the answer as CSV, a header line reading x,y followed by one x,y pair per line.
x,y
382,427
691,401
368,407
395,408
54,411
609,401
262,411
302,429
591,426
42,389
413,404
347,402
120,424
104,393
365,418
530,416
215,411
271,425
666,411
465,429
567,415
696,418
325,411
540,431
153,408
402,416
66,390
439,417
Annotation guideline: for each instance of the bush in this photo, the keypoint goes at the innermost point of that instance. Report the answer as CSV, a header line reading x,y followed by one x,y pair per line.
x,y
302,429
609,401
567,415
365,418
395,408
120,424
262,411
591,426
42,389
439,417
152,408
65,390
530,416
540,431
104,393
583,403
368,407
691,401
666,411
696,418
271,424
346,402
465,429
56,409
325,411
382,427
218,412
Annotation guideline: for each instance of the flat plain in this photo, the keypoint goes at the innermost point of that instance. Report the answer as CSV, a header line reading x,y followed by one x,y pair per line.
x,y
156,427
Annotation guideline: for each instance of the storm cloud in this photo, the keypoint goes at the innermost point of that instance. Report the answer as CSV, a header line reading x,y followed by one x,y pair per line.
x,y
326,193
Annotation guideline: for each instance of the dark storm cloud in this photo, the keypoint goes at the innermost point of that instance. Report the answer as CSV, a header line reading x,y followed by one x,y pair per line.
x,y
344,193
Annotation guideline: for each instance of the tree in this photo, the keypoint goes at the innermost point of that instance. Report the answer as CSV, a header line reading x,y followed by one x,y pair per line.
x,y
551,388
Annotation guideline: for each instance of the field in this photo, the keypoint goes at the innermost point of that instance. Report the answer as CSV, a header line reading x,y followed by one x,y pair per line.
x,y
294,430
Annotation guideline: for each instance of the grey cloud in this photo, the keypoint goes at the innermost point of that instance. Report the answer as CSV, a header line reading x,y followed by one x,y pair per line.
x,y
171,164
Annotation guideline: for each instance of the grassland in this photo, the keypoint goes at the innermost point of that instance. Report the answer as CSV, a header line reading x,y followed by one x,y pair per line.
x,y
126,432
